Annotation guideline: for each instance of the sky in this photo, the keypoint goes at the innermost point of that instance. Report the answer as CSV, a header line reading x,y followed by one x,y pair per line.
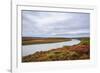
x,y
55,24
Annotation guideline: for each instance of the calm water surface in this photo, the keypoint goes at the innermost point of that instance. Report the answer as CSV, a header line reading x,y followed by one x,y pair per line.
x,y
30,49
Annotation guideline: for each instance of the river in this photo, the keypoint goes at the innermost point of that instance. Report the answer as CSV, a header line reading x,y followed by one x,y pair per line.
x,y
30,49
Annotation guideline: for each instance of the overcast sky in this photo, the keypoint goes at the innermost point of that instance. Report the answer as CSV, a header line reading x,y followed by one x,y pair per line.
x,y
55,24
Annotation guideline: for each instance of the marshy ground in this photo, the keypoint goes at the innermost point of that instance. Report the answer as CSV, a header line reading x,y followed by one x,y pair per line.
x,y
80,51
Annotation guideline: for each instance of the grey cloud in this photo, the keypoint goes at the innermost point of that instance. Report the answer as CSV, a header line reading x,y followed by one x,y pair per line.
x,y
72,22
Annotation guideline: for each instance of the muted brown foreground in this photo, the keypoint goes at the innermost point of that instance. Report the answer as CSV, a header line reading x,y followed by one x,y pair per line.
x,y
76,52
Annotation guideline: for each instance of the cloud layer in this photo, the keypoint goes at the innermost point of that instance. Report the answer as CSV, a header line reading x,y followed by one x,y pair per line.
x,y
55,24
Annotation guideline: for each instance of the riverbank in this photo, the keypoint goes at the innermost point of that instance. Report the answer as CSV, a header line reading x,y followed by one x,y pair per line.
x,y
32,48
33,40
80,51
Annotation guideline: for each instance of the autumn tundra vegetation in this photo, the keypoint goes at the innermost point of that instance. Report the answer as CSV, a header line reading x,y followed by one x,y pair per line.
x,y
39,40
80,51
